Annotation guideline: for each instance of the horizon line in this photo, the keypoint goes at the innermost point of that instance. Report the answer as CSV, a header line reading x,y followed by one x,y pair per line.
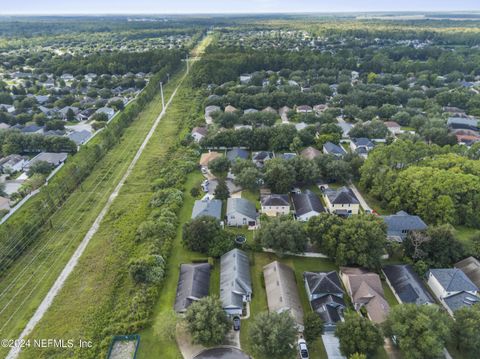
x,y
419,12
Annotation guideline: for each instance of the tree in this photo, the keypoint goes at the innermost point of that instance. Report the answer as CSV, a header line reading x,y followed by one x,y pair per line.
x,y
70,115
358,335
219,166
273,335
41,167
466,330
313,326
421,331
221,191
438,246
200,233
359,240
249,178
319,226
283,235
279,175
207,322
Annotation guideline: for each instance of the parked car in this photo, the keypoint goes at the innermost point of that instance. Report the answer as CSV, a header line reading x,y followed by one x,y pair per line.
x,y
302,348
236,323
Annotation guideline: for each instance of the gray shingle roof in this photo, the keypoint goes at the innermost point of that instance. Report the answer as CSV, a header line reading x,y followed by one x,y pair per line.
x,y
329,308
407,284
343,195
235,279
79,137
242,206
460,122
453,280
193,284
275,200
237,153
403,221
50,157
321,283
334,149
459,300
307,202
363,142
471,267
212,208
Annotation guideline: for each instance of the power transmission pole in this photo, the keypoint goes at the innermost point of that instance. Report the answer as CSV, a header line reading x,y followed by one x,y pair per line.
x,y
161,91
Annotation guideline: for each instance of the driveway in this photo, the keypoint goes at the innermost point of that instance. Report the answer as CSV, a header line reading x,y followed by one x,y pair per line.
x,y
362,201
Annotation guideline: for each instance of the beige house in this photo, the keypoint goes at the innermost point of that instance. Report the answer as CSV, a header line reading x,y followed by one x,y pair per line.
x,y
365,289
341,201
282,291
275,205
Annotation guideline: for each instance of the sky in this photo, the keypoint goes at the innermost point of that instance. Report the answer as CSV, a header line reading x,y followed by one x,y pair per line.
x,y
226,6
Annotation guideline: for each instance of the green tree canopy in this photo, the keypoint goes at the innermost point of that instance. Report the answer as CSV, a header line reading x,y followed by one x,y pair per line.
x,y
273,335
207,322
421,331
283,235
358,335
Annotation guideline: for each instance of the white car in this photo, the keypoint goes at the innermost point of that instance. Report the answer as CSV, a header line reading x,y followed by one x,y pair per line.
x,y
302,349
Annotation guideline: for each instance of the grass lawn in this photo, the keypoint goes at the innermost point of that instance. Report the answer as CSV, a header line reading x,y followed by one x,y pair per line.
x,y
252,197
465,234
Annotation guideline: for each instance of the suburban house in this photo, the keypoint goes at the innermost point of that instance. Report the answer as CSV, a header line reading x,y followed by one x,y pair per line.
x,y
207,157
270,109
13,163
237,154
80,137
471,267
365,289
319,109
401,223
310,153
250,110
325,293
259,158
110,112
230,109
209,111
304,109
452,288
245,78
241,212
198,133
193,284
406,285
460,123
361,146
207,207
333,149
342,201
282,291
275,205
393,127
235,282
50,157
306,205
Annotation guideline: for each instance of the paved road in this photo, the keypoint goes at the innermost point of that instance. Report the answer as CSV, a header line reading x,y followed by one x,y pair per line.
x,y
362,201
57,286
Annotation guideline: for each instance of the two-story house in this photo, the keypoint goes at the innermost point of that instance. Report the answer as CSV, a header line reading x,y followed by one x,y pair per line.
x,y
341,201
